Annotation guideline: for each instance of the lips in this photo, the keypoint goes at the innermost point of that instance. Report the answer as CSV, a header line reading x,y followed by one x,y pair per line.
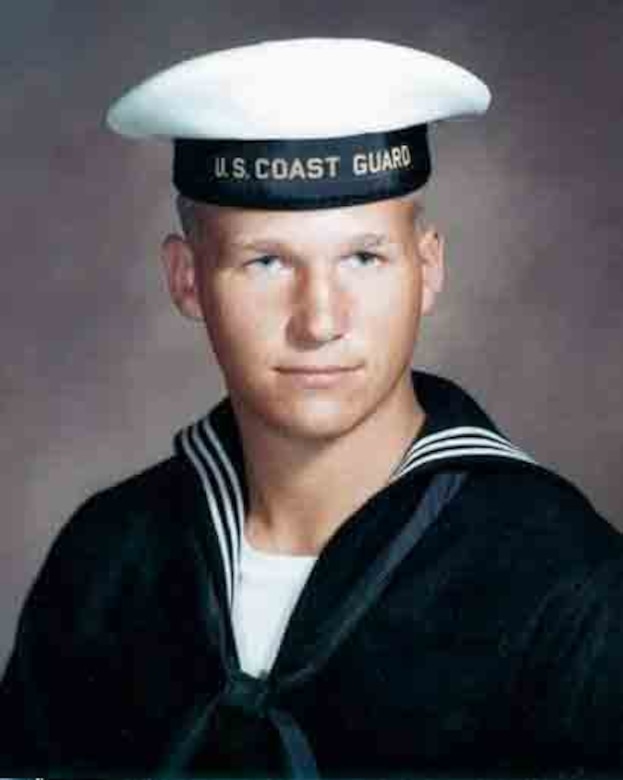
x,y
317,378
316,369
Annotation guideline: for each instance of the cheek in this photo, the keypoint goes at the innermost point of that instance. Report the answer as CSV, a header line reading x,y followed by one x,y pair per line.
x,y
238,329
395,306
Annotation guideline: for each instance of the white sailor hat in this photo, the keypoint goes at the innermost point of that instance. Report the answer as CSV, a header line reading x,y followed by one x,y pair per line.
x,y
302,123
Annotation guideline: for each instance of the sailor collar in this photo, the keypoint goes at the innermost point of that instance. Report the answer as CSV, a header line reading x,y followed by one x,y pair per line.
x,y
457,433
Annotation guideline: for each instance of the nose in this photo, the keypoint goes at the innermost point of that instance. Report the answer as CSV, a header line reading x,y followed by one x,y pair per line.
x,y
320,311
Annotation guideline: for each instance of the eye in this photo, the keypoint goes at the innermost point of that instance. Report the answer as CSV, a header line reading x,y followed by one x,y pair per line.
x,y
364,258
265,262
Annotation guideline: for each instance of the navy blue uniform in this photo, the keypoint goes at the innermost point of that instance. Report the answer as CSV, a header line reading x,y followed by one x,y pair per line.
x,y
467,618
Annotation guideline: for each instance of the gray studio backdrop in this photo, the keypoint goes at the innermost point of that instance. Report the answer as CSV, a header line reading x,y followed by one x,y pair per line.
x,y
97,370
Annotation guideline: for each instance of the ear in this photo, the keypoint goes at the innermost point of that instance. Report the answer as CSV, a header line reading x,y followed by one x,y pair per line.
x,y
431,247
179,265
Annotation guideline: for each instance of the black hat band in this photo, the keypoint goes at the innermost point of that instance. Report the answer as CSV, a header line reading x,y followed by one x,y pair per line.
x,y
302,174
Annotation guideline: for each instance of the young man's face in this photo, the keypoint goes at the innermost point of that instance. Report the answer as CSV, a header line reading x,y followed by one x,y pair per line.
x,y
313,315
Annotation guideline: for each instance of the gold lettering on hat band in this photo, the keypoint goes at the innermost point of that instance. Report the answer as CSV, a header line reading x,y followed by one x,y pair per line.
x,y
276,168
381,160
284,169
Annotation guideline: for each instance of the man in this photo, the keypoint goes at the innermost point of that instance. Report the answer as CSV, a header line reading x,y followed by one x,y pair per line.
x,y
344,569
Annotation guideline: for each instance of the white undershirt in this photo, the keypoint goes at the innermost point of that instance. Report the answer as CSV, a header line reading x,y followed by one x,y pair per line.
x,y
268,588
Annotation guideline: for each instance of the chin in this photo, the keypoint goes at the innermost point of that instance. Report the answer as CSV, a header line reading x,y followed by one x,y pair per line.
x,y
316,420
312,415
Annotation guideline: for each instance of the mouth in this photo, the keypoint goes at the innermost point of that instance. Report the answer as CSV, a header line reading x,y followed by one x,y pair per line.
x,y
316,369
317,376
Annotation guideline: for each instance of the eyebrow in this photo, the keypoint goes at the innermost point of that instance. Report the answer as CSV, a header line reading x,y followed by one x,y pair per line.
x,y
361,241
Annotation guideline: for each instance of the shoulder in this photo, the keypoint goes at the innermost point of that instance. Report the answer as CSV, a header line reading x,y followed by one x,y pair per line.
x,y
535,519
126,532
140,500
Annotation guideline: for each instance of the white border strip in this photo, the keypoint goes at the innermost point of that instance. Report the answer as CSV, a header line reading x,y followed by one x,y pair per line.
x,y
202,461
461,441
463,453
236,515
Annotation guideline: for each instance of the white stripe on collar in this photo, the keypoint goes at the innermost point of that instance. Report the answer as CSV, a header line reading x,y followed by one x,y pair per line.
x,y
223,488
462,441
222,478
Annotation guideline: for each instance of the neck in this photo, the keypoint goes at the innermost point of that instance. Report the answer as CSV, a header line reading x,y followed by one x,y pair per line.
x,y
301,490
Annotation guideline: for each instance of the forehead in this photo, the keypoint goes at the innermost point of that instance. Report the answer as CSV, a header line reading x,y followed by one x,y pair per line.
x,y
238,226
